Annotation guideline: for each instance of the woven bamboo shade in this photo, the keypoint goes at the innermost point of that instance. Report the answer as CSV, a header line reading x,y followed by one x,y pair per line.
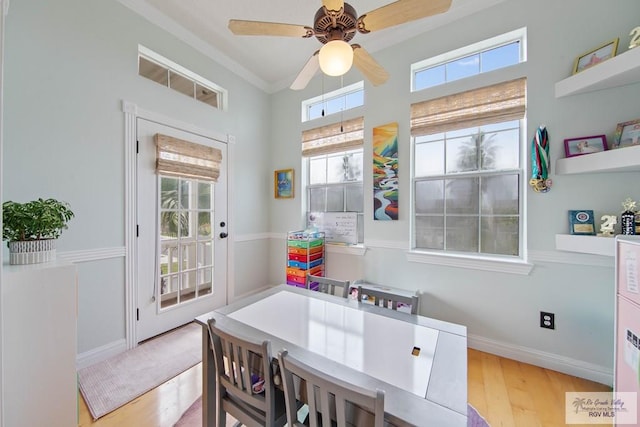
x,y
177,157
491,104
330,138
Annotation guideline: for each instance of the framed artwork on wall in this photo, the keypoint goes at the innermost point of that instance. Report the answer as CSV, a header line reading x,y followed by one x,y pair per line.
x,y
283,187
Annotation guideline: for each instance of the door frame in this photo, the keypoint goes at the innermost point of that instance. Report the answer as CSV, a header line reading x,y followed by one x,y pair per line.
x,y
131,114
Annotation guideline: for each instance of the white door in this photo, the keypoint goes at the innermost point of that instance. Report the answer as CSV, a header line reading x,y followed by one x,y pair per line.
x,y
181,248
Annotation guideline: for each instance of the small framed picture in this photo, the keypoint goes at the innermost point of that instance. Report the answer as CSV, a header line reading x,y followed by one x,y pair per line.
x,y
596,56
581,222
585,145
627,134
283,184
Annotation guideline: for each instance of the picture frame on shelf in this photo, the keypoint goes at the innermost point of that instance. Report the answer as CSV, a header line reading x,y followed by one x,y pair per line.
x,y
596,56
585,145
581,222
627,134
283,184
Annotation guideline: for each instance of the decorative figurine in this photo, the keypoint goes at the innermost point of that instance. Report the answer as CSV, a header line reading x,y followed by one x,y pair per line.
x,y
628,217
607,226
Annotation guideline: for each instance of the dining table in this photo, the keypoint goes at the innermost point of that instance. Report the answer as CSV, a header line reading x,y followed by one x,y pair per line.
x,y
419,362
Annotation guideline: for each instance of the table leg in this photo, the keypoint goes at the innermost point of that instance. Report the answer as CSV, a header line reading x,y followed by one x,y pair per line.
x,y
208,382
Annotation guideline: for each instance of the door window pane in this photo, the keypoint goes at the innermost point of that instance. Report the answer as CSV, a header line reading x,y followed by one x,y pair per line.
x,y
462,233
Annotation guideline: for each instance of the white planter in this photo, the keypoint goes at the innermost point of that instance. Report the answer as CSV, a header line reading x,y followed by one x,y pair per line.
x,y
32,251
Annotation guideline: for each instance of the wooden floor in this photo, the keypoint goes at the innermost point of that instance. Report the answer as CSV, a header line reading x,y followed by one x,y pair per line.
x,y
505,392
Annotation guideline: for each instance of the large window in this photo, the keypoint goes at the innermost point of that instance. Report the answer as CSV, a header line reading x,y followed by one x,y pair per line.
x,y
334,162
468,178
340,100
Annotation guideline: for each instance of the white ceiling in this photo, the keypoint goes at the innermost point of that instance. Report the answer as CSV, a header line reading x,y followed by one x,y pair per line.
x,y
272,63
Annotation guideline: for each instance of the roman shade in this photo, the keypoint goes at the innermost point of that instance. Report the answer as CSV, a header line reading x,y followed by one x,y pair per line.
x,y
490,104
334,137
177,157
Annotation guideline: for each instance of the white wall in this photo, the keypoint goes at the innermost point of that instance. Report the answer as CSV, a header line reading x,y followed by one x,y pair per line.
x,y
69,64
501,310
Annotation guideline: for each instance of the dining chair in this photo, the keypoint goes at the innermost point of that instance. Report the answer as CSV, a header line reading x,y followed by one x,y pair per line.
x,y
328,286
238,380
329,398
389,299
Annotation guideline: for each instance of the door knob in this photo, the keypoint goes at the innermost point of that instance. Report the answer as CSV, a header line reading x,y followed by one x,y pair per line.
x,y
223,235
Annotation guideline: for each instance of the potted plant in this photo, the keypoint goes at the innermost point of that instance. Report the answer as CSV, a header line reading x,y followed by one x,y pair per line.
x,y
32,228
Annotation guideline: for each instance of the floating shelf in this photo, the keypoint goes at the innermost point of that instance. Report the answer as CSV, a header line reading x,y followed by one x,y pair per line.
x,y
586,244
620,70
625,159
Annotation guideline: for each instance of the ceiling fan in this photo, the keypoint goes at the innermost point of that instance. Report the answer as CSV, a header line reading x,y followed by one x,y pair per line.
x,y
334,25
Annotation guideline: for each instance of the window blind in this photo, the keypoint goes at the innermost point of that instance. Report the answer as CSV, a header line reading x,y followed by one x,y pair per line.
x,y
176,157
334,137
490,104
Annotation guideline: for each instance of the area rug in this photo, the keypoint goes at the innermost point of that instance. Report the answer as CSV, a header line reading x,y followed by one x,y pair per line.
x,y
109,384
193,417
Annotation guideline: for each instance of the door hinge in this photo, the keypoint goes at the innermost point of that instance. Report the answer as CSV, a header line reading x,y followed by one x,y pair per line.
x,y
137,314
137,146
137,230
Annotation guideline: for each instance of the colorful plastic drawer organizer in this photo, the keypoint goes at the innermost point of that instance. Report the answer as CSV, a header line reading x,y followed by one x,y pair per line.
x,y
305,255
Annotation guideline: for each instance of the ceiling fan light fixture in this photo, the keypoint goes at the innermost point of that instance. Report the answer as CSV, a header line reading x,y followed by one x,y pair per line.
x,y
336,58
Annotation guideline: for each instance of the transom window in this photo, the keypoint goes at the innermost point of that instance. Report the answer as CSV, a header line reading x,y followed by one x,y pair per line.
x,y
488,55
343,99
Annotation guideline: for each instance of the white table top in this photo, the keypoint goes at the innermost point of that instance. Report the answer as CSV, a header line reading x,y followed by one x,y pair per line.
x,y
363,344
367,342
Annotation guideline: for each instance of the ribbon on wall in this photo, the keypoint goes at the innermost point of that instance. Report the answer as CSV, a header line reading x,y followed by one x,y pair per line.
x,y
540,181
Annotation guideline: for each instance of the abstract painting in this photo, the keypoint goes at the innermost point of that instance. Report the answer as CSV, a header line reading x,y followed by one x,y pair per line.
x,y
385,172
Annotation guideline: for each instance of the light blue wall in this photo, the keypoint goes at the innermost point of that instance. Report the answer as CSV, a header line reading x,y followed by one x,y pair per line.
x,y
499,309
69,64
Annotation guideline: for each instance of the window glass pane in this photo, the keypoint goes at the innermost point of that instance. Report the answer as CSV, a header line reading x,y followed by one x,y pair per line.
x,y
430,232
430,77
493,127
334,105
318,170
181,84
315,111
461,132
500,195
428,138
500,150
204,281
336,168
462,154
188,288
204,195
430,197
188,256
206,95
317,198
463,67
204,224
429,159
169,291
335,199
169,193
462,196
168,259
355,198
205,254
352,163
185,194
462,233
355,99
500,57
500,235
153,71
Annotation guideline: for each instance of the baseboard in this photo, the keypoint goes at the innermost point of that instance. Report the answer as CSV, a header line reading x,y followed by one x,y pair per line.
x,y
566,365
99,354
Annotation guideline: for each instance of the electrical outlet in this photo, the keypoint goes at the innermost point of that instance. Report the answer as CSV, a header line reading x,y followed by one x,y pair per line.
x,y
547,320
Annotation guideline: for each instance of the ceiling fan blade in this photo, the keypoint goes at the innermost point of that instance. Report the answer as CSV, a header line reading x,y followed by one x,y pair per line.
x,y
399,12
334,5
306,74
368,66
258,28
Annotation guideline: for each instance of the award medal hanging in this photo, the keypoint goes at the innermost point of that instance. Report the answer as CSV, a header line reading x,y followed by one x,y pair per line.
x,y
540,181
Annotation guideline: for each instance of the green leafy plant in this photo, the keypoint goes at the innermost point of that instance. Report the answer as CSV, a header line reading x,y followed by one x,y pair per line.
x,y
36,220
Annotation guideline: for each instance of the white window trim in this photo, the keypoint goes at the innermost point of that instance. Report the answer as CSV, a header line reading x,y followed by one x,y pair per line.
x,y
167,63
517,266
493,42
327,97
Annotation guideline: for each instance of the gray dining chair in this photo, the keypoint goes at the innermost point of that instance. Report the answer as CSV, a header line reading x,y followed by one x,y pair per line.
x,y
238,393
329,286
389,299
330,399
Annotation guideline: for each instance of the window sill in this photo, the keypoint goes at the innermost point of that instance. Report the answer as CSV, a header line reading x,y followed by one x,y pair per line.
x,y
473,263
336,248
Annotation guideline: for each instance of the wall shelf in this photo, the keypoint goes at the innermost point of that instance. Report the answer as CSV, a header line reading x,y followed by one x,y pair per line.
x,y
625,159
586,244
620,70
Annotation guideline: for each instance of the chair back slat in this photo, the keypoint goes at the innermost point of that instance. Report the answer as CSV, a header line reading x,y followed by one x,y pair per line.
x,y
331,393
329,286
389,300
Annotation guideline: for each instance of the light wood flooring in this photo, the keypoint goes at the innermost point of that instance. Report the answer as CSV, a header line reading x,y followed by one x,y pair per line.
x,y
505,392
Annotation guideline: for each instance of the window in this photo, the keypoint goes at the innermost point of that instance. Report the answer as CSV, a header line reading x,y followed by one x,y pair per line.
x,y
334,163
334,102
467,176
167,73
488,55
